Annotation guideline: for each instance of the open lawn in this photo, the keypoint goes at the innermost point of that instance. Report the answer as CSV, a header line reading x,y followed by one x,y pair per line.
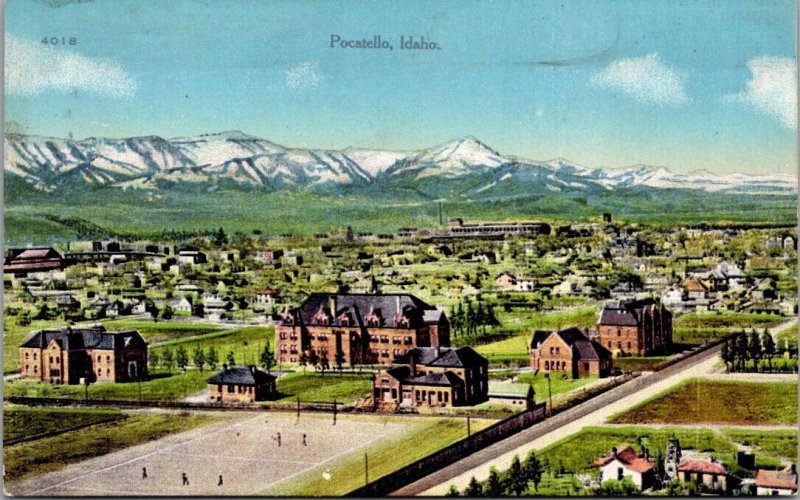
x,y
780,443
161,331
719,402
161,386
43,455
558,385
638,364
13,335
23,422
245,343
314,387
725,319
428,436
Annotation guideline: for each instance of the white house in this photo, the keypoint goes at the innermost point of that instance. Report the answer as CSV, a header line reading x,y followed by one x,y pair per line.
x,y
672,299
776,482
623,463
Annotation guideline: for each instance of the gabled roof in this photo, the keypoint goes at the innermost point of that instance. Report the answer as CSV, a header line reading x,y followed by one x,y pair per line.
x,y
509,390
38,254
628,458
95,337
703,466
591,350
574,337
446,379
625,312
444,357
386,306
245,375
782,479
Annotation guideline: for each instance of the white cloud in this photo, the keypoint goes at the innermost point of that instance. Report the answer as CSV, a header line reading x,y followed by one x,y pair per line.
x,y
646,79
772,88
304,76
31,68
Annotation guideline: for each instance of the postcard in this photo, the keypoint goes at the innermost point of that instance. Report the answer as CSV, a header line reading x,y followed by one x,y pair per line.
x,y
345,248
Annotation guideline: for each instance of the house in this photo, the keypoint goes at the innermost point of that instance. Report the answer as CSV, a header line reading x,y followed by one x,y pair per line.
x,y
707,474
181,304
191,257
518,396
268,256
360,328
69,355
776,482
525,286
434,376
265,297
635,327
672,298
244,384
570,352
626,463
695,288
21,261
67,302
505,281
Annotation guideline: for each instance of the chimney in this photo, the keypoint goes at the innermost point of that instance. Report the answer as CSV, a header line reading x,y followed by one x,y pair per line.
x,y
412,361
332,304
646,453
253,369
614,452
438,351
397,302
224,367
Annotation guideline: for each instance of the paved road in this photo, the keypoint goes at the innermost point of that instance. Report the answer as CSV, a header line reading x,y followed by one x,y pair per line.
x,y
593,412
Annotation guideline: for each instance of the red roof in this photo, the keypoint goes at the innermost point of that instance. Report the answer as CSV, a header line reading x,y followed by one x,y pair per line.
x,y
629,458
703,466
34,253
31,266
776,479
266,291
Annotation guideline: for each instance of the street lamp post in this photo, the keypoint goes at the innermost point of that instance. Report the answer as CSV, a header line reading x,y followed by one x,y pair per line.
x,y
549,392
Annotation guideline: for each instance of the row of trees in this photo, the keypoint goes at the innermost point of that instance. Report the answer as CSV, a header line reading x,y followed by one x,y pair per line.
x,y
516,481
738,351
467,320
180,357
321,362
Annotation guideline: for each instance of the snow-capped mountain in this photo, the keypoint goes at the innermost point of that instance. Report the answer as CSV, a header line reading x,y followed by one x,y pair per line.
x,y
464,167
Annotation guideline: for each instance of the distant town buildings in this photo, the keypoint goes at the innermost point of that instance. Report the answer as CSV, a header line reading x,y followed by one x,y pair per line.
x,y
359,328
243,384
635,327
569,352
67,355
434,376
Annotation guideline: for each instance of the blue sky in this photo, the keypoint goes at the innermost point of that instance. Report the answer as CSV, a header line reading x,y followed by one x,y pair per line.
x,y
684,84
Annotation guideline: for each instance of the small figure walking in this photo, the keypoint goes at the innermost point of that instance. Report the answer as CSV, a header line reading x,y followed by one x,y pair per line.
x,y
304,440
185,479
144,472
277,437
219,483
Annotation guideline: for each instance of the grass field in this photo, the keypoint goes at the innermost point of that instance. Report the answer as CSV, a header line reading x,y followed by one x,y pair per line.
x,y
245,343
638,364
780,443
427,437
162,331
314,387
717,402
43,455
13,335
23,422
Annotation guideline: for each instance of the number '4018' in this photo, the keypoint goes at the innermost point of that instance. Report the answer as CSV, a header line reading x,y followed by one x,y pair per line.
x,y
64,40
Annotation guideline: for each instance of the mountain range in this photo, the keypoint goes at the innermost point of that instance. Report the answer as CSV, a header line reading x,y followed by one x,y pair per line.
x,y
465,168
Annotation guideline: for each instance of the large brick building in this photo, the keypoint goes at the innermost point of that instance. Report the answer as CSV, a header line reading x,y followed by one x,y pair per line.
x,y
434,376
571,352
67,355
360,328
635,327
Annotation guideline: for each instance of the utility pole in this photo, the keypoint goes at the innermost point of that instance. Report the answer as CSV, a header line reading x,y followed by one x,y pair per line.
x,y
298,407
366,470
469,431
549,392
334,412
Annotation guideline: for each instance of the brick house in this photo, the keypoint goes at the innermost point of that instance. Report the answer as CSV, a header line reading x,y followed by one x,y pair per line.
x,y
623,463
245,384
66,355
359,328
569,351
434,376
635,327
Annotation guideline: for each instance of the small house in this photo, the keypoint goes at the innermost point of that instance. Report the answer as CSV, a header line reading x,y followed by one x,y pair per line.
x,y
243,384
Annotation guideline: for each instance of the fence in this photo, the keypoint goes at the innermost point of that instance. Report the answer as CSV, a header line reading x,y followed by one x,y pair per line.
x,y
452,453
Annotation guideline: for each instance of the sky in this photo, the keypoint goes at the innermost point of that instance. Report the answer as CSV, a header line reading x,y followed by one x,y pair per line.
x,y
683,84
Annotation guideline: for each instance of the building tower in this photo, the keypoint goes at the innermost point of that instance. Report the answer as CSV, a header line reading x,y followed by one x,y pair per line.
x,y
673,459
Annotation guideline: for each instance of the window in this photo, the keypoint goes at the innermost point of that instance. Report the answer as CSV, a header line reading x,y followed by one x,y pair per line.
x,y
98,358
26,355
546,365
51,359
108,359
552,350
99,372
230,389
26,367
219,387
619,332
629,345
34,356
619,473
557,350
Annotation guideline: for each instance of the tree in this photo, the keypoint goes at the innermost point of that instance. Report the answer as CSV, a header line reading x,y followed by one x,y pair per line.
x,y
220,238
452,492
768,347
615,488
754,348
741,350
151,309
181,357
212,358
338,359
304,360
43,313
727,355
470,319
517,481
480,317
199,356
533,469
313,359
267,358
494,485
324,364
474,488
231,359
491,319
24,318
198,308
168,359
154,359
167,312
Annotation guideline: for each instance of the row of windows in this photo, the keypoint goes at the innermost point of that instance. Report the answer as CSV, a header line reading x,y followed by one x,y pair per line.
x,y
236,389
554,350
100,372
555,365
619,345
35,368
34,355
